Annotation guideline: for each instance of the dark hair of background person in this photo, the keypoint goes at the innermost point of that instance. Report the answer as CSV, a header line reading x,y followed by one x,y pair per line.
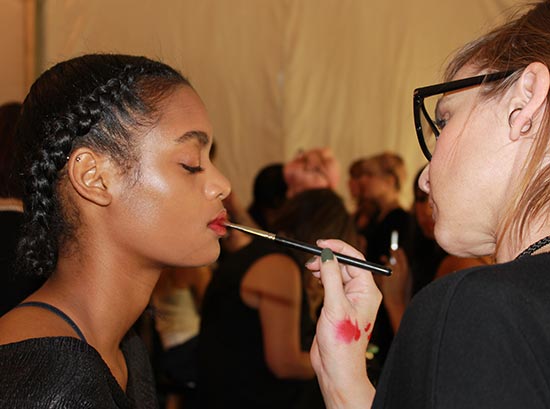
x,y
97,101
269,194
9,182
316,214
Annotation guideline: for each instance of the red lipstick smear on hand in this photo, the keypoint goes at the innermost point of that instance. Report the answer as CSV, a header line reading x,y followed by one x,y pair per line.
x,y
348,331
367,328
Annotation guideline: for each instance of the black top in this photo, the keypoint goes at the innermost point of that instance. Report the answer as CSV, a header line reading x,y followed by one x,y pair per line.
x,y
425,257
232,368
64,372
478,338
378,237
13,289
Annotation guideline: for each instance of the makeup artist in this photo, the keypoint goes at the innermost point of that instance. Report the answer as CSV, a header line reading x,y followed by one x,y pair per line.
x,y
479,338
119,186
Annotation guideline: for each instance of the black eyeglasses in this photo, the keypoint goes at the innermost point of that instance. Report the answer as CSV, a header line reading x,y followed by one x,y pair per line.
x,y
427,129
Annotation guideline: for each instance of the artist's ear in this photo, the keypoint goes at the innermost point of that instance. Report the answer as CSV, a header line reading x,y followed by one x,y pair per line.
x,y
529,100
90,174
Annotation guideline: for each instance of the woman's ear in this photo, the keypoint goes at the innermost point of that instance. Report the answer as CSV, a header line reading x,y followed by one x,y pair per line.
x,y
90,174
529,100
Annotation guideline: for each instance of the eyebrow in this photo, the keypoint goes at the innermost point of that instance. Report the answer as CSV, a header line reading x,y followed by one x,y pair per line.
x,y
200,136
440,101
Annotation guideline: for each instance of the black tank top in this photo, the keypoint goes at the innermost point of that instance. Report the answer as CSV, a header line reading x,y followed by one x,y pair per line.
x,y
232,367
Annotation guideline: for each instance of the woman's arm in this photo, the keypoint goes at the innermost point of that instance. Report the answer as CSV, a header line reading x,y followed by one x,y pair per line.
x,y
273,285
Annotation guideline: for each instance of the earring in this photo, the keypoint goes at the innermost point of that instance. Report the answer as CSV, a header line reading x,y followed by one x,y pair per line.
x,y
78,158
526,128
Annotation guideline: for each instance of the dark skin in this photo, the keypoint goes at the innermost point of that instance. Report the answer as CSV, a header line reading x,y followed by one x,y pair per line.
x,y
129,231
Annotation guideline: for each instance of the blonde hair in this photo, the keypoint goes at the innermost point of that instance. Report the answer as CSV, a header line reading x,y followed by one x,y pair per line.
x,y
391,164
524,39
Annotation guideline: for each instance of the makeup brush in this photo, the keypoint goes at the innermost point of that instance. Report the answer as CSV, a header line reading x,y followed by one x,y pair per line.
x,y
308,248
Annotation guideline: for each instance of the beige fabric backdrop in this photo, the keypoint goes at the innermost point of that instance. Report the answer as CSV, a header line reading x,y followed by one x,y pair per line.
x,y
14,48
282,75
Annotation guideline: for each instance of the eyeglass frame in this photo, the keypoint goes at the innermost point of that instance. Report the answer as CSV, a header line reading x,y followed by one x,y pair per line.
x,y
441,88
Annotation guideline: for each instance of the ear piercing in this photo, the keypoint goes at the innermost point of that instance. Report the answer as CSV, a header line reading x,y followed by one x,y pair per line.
x,y
526,128
78,159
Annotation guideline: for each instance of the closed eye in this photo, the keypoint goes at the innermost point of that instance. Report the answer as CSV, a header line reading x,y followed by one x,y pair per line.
x,y
192,169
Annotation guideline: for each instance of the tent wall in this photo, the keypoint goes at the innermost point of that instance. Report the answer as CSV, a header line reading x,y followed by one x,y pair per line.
x,y
17,33
282,75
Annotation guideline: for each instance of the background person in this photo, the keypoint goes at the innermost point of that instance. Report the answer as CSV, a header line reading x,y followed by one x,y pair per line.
x,y
260,310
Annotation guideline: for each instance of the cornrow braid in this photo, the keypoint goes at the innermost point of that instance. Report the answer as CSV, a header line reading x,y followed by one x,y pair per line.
x,y
96,101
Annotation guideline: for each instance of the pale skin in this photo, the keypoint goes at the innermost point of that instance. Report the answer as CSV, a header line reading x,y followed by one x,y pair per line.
x,y
130,230
478,159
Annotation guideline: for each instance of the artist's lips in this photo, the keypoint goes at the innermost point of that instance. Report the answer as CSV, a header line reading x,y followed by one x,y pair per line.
x,y
218,224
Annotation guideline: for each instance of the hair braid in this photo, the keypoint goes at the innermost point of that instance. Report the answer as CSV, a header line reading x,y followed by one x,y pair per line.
x,y
97,101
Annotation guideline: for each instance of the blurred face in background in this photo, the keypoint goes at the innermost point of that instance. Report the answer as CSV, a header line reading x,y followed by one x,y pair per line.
x,y
374,185
313,169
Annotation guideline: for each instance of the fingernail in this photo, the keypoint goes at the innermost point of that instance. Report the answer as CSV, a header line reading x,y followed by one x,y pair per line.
x,y
311,260
326,255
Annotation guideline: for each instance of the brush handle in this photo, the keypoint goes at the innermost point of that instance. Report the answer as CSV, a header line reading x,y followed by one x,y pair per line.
x,y
308,248
352,261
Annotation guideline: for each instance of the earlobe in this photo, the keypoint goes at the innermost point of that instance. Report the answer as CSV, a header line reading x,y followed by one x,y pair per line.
x,y
88,172
529,101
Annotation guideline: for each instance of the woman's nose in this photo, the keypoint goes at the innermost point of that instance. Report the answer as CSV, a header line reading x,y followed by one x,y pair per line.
x,y
424,180
218,187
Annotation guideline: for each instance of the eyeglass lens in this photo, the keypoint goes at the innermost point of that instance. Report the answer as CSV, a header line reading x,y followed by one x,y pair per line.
x,y
427,120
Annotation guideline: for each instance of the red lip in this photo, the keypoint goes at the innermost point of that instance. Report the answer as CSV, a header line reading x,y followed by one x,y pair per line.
x,y
218,223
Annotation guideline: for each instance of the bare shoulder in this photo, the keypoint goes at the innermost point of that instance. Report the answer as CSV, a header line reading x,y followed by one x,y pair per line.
x,y
20,324
274,273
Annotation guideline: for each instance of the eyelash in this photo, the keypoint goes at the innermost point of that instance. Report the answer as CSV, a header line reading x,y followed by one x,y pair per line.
x,y
440,123
192,169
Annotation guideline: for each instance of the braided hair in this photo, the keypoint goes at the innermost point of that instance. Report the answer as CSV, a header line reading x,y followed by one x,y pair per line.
x,y
98,101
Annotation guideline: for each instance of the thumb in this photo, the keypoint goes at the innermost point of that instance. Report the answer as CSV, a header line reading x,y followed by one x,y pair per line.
x,y
331,276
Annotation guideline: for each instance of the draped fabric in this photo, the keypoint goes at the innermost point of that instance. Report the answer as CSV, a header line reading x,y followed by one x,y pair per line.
x,y
282,75
13,84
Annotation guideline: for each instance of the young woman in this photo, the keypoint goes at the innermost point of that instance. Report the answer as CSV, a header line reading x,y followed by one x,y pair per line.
x,y
478,338
118,186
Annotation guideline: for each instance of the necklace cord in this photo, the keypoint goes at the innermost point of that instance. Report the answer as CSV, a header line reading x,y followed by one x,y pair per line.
x,y
534,247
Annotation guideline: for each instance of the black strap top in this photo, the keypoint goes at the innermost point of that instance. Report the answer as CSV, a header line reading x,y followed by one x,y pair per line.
x,y
56,311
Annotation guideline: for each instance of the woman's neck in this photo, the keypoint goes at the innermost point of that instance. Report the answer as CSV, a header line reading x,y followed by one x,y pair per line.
x,y
103,301
531,244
